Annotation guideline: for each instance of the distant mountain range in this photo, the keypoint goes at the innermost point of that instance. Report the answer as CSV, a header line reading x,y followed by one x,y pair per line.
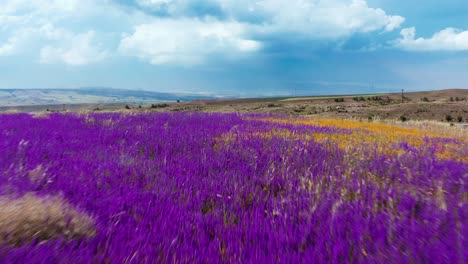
x,y
24,97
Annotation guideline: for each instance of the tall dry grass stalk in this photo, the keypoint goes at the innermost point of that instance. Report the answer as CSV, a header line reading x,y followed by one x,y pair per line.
x,y
31,217
433,126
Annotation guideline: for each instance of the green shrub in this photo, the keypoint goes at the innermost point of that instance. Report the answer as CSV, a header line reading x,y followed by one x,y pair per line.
x,y
159,105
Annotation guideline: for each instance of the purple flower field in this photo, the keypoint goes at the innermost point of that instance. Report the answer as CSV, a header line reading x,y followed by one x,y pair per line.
x,y
222,188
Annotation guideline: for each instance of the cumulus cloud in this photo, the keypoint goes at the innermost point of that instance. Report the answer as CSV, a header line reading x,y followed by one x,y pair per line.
x,y
78,50
31,27
9,47
13,44
188,36
178,31
449,39
312,18
325,19
153,4
186,41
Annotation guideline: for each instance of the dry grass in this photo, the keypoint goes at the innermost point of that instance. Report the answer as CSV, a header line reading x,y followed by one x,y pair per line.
x,y
433,126
40,115
31,217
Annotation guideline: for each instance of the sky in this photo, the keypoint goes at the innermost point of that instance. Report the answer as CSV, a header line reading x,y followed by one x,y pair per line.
x,y
235,47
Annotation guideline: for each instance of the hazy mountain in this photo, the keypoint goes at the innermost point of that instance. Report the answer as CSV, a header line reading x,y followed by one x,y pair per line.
x,y
17,97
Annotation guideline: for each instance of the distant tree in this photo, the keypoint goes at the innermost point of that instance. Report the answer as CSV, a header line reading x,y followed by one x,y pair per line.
x,y
451,99
425,99
139,106
460,119
127,107
159,105
449,118
403,118
178,101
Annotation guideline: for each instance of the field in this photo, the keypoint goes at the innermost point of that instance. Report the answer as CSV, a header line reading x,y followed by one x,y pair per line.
x,y
433,105
229,188
442,106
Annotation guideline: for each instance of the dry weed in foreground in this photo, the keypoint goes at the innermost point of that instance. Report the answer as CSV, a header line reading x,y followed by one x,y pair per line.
x,y
37,218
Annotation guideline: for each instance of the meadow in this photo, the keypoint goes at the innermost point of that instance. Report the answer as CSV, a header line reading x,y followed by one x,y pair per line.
x,y
228,188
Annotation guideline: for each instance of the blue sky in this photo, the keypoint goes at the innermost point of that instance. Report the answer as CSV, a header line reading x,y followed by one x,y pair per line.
x,y
242,47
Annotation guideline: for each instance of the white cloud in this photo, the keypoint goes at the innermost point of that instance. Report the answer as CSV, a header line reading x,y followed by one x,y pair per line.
x,y
31,27
186,41
78,50
56,45
187,34
306,18
449,39
394,22
9,47
14,43
181,39
54,7
310,18
315,18
153,4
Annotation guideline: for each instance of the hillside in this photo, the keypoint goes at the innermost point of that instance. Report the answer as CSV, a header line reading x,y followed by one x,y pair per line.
x,y
34,97
431,105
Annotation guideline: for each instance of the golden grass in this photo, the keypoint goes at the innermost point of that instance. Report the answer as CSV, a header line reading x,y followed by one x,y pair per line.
x,y
40,115
31,217
437,127
383,134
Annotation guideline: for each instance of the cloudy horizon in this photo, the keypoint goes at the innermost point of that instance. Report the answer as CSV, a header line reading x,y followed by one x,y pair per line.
x,y
261,47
